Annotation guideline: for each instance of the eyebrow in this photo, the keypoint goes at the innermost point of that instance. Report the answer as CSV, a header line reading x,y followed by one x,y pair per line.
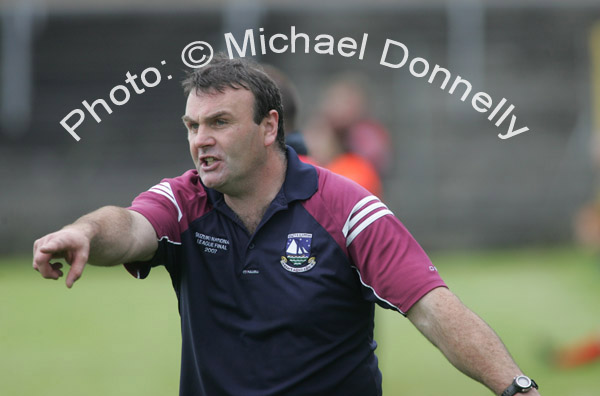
x,y
187,119
218,114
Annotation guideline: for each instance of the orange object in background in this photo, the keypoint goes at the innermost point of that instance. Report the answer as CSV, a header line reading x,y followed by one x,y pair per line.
x,y
583,352
307,159
354,167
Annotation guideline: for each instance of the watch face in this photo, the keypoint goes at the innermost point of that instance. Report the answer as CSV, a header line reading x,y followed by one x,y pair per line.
x,y
523,381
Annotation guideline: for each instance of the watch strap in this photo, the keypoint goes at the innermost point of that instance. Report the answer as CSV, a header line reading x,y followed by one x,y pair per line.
x,y
514,388
511,390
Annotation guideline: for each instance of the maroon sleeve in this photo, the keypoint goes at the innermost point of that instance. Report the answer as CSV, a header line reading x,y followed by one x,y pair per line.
x,y
162,210
388,259
168,206
390,263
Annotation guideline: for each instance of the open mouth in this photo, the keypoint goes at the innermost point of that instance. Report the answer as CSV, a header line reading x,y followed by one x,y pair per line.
x,y
208,163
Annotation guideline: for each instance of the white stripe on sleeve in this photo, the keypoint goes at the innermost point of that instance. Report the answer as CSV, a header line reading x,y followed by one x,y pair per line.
x,y
164,186
365,212
365,224
356,207
165,190
352,228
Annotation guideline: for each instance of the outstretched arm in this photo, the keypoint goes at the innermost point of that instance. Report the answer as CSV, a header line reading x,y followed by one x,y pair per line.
x,y
107,236
465,339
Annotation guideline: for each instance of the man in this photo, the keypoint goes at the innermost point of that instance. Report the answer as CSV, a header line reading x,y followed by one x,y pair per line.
x,y
276,264
345,108
340,121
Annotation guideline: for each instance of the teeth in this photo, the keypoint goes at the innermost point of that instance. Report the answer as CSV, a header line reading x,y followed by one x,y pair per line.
x,y
209,160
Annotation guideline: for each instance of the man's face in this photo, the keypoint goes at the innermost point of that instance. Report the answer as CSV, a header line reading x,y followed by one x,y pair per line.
x,y
227,146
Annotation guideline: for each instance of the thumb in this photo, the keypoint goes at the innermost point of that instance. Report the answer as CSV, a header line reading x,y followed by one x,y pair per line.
x,y
55,245
50,247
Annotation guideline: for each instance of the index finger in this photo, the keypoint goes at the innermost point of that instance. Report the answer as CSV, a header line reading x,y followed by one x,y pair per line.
x,y
77,265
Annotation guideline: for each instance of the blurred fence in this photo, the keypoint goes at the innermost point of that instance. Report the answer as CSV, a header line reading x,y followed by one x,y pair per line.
x,y
454,183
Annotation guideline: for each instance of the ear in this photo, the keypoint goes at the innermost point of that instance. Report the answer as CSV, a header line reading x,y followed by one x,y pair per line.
x,y
269,126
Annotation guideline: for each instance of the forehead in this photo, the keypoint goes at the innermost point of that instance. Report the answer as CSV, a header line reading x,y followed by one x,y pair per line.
x,y
235,101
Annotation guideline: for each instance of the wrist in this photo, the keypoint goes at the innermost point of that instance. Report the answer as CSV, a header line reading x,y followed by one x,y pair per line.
x,y
521,384
87,228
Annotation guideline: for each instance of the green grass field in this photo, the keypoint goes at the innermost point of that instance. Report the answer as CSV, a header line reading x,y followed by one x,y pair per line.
x,y
114,335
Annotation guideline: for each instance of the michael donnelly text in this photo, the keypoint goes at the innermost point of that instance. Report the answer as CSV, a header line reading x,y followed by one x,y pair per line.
x,y
394,55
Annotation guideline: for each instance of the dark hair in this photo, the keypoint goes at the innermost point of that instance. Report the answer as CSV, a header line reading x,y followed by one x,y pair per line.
x,y
222,73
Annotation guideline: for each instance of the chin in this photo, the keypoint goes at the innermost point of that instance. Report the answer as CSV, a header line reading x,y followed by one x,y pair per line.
x,y
210,182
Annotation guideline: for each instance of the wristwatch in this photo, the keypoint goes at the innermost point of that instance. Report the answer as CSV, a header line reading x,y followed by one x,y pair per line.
x,y
521,384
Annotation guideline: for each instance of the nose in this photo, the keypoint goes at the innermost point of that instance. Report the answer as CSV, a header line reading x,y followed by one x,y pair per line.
x,y
200,142
202,138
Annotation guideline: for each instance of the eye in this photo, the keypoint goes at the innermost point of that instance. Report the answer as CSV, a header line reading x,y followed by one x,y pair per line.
x,y
193,126
219,122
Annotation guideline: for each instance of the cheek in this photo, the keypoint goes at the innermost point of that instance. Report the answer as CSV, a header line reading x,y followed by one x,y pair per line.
x,y
193,152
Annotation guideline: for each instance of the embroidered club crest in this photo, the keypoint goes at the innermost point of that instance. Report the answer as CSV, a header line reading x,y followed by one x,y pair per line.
x,y
297,258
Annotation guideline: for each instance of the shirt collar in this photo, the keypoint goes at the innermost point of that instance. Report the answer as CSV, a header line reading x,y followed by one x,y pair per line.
x,y
301,180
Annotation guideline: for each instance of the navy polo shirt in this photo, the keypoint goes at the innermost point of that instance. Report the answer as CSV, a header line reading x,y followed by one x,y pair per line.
x,y
288,310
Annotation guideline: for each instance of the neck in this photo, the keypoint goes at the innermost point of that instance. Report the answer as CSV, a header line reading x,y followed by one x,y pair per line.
x,y
251,205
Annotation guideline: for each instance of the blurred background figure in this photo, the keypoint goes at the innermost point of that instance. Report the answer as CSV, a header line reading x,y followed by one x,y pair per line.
x,y
344,139
345,108
290,101
328,150
586,226
341,141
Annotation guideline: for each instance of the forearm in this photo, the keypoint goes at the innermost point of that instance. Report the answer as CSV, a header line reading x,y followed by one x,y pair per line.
x,y
478,352
467,342
110,231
